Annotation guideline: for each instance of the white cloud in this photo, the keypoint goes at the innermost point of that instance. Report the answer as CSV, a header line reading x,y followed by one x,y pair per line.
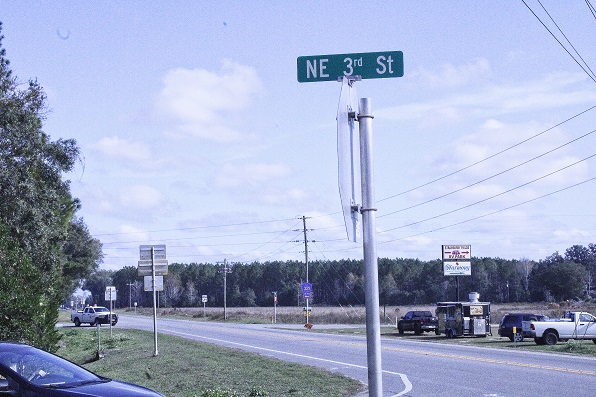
x,y
449,76
115,147
286,197
133,233
199,102
249,175
140,197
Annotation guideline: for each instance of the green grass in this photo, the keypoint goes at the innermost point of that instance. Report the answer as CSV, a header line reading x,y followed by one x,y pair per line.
x,y
187,368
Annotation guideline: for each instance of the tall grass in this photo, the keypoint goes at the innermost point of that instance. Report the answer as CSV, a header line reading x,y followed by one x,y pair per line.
x,y
350,314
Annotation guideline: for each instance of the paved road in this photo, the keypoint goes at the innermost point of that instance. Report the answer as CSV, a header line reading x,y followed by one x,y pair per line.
x,y
410,368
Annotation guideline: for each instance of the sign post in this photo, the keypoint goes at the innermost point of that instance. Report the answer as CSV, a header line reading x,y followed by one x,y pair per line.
x,y
153,255
274,307
354,67
110,295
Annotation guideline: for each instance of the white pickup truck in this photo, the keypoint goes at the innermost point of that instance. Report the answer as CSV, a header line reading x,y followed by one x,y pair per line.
x,y
574,325
93,315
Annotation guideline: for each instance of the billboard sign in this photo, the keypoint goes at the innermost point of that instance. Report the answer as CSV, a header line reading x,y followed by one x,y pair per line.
x,y
457,268
457,252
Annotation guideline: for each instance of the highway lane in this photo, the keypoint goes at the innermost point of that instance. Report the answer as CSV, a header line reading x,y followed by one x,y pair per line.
x,y
410,368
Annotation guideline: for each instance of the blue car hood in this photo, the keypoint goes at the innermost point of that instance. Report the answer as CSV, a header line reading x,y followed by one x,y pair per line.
x,y
113,388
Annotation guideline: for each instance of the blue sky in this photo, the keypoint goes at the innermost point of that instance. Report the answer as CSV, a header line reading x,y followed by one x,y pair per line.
x,y
195,133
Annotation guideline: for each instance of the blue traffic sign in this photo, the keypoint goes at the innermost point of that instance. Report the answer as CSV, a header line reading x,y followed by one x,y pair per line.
x,y
306,290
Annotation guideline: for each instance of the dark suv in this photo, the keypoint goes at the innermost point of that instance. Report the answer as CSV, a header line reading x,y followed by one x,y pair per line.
x,y
522,323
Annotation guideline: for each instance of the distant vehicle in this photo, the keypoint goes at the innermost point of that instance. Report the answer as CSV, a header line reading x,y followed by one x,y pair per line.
x,y
464,318
574,325
26,371
93,315
521,322
418,321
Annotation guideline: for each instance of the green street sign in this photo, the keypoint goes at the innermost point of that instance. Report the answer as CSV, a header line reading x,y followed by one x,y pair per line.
x,y
367,65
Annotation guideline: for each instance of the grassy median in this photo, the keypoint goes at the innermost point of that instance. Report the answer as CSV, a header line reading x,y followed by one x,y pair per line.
x,y
187,368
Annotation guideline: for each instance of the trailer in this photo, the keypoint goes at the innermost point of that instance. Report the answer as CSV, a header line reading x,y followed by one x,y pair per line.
x,y
464,318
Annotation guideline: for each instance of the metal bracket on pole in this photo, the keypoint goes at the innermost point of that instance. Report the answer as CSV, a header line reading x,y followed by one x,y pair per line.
x,y
367,209
351,79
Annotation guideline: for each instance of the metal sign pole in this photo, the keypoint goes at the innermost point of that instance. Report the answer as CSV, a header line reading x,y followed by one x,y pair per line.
x,y
98,338
275,308
225,270
155,353
373,323
111,310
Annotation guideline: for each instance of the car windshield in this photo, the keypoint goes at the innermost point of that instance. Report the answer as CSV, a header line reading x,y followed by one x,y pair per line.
x,y
42,368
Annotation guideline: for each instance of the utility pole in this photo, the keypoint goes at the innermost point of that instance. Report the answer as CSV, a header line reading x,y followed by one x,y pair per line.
x,y
306,296
306,261
225,269
130,294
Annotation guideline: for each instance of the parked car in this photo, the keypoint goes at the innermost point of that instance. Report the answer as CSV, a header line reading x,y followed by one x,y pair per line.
x,y
522,323
418,321
30,372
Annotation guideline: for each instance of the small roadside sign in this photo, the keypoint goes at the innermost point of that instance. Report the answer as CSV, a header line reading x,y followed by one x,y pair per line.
x,y
159,251
110,293
148,283
457,252
160,270
204,298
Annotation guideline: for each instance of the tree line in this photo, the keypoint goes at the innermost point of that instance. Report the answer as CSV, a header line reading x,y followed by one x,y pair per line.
x,y
341,282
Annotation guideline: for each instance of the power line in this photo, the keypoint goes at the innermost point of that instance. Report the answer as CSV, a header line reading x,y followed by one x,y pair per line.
x,y
492,213
490,177
591,8
492,197
489,157
591,76
569,42
198,227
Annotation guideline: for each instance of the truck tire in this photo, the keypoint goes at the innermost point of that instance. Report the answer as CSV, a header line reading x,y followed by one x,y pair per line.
x,y
400,330
92,324
77,322
417,329
550,338
437,332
